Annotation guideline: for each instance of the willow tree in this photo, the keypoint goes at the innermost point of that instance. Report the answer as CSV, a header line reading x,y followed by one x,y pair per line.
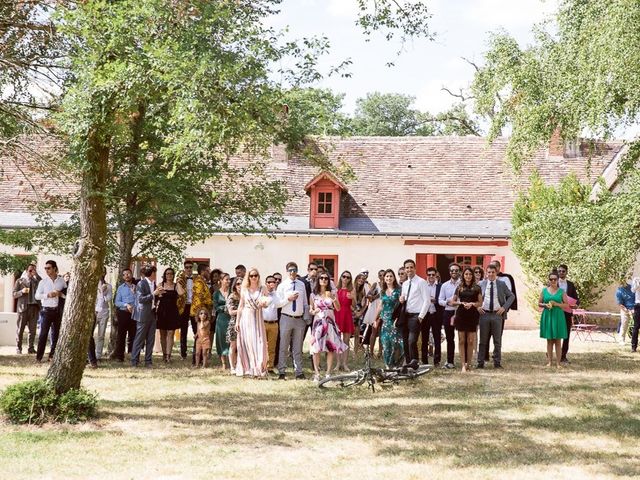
x,y
581,76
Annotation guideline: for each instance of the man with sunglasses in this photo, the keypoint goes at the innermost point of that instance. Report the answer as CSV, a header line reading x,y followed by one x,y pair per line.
x,y
447,291
270,317
292,296
48,293
432,322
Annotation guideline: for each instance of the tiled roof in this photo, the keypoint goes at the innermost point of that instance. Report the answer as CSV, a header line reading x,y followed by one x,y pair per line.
x,y
429,178
419,185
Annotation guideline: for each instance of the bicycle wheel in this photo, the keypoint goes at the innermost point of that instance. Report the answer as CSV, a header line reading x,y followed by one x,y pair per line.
x,y
411,374
342,381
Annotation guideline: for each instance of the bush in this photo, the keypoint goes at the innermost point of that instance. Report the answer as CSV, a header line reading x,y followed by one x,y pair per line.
x,y
36,402
77,406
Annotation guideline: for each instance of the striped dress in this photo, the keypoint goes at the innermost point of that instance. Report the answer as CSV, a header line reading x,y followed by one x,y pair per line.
x,y
252,338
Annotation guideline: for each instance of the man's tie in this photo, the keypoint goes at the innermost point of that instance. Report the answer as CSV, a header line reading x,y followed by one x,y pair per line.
x,y
491,297
293,286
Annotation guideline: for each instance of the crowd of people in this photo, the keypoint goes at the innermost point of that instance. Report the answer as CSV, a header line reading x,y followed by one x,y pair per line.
x,y
257,325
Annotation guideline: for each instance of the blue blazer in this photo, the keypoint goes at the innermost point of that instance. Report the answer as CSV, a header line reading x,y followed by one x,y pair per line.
x,y
143,311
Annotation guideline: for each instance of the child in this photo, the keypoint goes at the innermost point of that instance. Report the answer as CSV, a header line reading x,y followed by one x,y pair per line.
x,y
203,338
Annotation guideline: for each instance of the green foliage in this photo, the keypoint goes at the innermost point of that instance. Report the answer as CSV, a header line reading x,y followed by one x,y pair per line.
x,y
393,115
77,405
597,239
29,402
35,402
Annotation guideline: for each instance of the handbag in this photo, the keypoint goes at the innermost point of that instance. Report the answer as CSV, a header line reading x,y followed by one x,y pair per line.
x,y
400,310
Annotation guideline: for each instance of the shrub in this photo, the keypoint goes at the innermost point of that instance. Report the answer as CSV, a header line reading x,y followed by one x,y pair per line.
x,y
29,402
36,402
77,405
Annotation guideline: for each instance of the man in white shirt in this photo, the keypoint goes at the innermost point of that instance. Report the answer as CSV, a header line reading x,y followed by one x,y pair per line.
x,y
432,323
497,299
103,309
270,316
48,292
415,294
292,299
635,288
447,291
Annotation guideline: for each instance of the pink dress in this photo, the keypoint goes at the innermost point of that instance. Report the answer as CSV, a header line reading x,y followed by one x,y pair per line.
x,y
344,316
325,336
252,338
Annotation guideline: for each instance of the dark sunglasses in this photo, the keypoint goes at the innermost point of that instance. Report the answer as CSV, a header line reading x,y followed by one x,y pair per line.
x,y
431,274
254,275
271,281
313,269
346,276
278,279
454,270
323,278
292,270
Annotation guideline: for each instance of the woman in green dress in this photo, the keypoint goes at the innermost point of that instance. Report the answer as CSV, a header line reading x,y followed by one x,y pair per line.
x,y
222,319
390,337
553,325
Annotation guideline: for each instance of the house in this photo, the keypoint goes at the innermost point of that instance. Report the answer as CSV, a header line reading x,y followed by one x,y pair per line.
x,y
432,199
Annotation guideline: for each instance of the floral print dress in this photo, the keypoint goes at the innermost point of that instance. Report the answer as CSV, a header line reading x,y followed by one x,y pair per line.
x,y
325,336
390,337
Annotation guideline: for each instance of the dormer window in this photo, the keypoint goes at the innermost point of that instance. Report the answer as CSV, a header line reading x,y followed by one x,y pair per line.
x,y
325,202
324,190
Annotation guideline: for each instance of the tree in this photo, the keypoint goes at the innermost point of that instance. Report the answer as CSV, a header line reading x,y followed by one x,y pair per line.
x,y
580,76
181,86
559,224
393,115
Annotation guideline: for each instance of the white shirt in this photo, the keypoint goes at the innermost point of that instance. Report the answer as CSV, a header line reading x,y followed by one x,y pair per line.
x,y
103,299
286,288
507,282
47,286
431,288
418,299
447,291
487,298
270,313
189,290
562,284
635,287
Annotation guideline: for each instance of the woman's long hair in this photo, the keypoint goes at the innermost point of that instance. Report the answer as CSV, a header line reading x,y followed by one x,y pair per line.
x,y
247,281
383,287
350,284
463,284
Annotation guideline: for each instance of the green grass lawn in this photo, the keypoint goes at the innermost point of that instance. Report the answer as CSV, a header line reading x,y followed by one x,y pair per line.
x,y
526,421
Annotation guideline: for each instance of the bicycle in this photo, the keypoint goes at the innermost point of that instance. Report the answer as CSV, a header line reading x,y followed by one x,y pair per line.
x,y
374,375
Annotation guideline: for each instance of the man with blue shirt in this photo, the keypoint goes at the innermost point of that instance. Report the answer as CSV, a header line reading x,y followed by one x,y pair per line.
x,y
125,300
626,300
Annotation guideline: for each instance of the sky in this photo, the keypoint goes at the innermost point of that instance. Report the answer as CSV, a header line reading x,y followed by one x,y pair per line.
x,y
462,29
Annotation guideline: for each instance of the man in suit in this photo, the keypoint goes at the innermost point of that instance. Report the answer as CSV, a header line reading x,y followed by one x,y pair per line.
x,y
433,321
570,289
497,299
511,285
28,307
145,317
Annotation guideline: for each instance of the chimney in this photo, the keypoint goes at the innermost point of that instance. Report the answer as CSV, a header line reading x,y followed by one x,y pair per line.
x,y
556,144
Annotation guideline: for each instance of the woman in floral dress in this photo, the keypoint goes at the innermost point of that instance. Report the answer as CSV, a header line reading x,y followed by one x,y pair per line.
x,y
325,336
390,337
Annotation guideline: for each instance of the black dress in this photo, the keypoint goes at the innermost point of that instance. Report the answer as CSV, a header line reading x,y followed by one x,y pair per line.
x,y
168,317
466,320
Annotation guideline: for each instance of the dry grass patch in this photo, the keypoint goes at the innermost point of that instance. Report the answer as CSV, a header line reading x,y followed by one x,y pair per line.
x,y
526,421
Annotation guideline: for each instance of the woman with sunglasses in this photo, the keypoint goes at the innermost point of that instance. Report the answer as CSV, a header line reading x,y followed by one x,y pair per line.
x,y
553,325
325,336
167,311
252,336
344,317
478,273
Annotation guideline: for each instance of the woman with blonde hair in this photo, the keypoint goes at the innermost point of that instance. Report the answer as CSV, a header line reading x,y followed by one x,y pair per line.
x,y
252,336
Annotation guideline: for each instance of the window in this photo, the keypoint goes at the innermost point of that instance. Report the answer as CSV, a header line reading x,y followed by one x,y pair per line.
x,y
330,262
138,262
469,260
325,200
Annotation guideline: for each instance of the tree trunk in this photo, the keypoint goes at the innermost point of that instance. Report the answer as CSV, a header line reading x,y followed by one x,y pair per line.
x,y
70,357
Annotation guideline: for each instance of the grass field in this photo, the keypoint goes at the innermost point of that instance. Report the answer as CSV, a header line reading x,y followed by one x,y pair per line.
x,y
526,421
